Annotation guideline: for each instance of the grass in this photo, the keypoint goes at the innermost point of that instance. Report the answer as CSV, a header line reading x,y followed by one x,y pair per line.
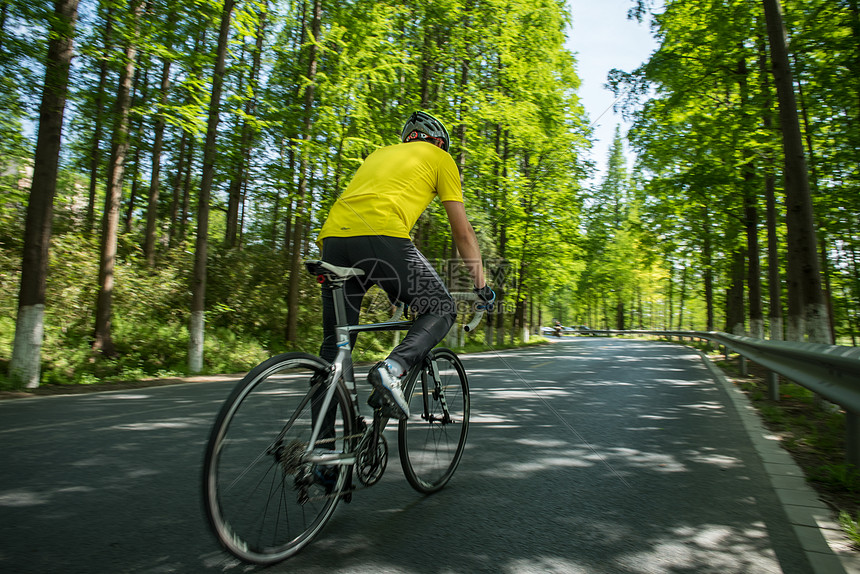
x,y
851,526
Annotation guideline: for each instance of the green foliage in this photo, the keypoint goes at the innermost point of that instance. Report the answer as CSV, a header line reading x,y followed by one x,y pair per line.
x,y
150,325
706,136
641,248
850,526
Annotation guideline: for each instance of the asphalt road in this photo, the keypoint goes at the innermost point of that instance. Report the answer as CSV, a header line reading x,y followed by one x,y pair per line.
x,y
584,456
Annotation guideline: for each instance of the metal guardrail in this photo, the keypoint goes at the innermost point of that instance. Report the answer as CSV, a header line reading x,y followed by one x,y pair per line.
x,y
831,371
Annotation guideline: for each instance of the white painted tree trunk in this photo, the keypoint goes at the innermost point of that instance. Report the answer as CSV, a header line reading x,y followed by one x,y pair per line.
x,y
26,365
757,328
195,342
818,324
794,328
776,328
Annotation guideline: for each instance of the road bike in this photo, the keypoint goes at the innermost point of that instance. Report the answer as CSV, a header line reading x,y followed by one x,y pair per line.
x,y
290,441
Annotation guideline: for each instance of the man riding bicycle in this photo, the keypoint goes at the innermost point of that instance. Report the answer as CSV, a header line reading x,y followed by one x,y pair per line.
x,y
368,228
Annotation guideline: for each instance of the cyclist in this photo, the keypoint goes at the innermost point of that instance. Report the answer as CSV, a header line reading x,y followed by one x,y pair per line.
x,y
368,227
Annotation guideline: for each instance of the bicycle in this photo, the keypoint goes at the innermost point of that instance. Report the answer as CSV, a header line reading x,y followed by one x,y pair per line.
x,y
290,442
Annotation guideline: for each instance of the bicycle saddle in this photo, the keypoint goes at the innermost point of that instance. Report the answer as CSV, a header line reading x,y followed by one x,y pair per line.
x,y
316,268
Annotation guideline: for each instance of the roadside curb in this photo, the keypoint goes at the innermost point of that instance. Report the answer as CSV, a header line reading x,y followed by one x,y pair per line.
x,y
45,391
814,523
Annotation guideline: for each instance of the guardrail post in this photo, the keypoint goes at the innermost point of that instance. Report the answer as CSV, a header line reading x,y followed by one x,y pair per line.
x,y
773,386
852,438
743,366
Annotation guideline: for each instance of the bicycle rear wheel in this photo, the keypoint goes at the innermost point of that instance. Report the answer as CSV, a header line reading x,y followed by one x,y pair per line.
x,y
263,501
432,439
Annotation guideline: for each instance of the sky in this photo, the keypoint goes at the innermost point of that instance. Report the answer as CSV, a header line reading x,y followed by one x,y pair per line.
x,y
602,38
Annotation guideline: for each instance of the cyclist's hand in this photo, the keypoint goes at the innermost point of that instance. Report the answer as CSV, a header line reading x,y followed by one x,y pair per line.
x,y
486,298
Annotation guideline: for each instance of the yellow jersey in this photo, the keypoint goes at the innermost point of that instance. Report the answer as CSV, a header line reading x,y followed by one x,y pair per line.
x,y
391,190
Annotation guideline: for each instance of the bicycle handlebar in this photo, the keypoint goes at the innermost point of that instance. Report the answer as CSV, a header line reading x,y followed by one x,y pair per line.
x,y
479,313
475,320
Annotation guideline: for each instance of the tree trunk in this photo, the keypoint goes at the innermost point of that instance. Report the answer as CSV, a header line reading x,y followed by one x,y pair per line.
x,y
427,68
708,277
95,148
683,298
298,231
198,287
136,94
182,183
735,296
503,269
240,178
750,207
754,294
813,183
110,221
774,280
25,366
619,316
155,177
234,190
4,11
135,184
176,194
807,306
670,304
185,203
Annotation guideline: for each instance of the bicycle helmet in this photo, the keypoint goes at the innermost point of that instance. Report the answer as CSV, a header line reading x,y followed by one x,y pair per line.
x,y
422,125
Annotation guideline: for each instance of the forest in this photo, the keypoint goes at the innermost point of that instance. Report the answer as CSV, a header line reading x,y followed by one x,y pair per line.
x,y
165,168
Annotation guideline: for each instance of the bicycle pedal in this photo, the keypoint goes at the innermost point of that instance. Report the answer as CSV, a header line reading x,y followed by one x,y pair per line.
x,y
385,408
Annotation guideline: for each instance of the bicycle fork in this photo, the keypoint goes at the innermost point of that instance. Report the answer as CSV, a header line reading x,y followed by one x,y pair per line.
x,y
438,393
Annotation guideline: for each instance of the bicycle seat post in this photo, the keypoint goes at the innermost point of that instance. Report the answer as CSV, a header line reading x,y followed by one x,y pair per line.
x,y
341,322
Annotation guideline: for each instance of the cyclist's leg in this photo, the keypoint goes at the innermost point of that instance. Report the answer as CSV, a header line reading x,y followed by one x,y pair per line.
x,y
426,332
408,276
335,251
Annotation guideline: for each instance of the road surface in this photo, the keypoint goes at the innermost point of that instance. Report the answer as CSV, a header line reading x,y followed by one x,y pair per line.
x,y
585,456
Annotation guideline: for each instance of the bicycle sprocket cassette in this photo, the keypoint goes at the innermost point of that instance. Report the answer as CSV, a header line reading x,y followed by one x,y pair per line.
x,y
290,456
371,462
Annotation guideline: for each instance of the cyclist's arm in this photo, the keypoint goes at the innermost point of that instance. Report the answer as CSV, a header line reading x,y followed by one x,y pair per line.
x,y
465,240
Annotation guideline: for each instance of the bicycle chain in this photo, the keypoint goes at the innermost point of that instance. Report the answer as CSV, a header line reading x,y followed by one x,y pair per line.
x,y
297,445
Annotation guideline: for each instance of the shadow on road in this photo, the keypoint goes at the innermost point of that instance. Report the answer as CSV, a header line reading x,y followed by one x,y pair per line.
x,y
583,456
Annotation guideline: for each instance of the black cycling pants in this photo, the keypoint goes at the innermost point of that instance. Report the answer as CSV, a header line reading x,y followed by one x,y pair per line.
x,y
396,265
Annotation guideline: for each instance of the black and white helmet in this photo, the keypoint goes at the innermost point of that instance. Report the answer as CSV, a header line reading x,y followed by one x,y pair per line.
x,y
422,125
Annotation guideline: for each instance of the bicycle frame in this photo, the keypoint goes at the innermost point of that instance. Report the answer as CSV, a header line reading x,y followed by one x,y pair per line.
x,y
270,484
342,366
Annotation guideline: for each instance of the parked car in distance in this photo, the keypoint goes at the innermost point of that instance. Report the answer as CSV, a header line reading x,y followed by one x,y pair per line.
x,y
551,331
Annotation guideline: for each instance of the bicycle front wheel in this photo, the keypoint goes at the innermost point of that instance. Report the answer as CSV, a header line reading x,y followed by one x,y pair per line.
x,y
263,500
432,439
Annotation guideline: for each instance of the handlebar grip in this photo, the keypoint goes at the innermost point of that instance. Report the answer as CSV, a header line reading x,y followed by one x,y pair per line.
x,y
475,321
